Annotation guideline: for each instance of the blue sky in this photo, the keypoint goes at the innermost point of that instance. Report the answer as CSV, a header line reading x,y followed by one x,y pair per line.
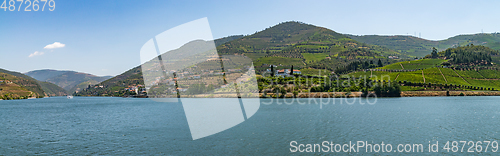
x,y
104,37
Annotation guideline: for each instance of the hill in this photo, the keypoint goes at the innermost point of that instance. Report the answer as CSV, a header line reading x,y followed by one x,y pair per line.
x,y
26,82
419,47
289,43
14,85
68,80
313,49
223,40
302,44
438,78
115,86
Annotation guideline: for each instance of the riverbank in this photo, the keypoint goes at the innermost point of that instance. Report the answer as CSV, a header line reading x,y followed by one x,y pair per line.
x,y
353,94
450,93
315,95
403,94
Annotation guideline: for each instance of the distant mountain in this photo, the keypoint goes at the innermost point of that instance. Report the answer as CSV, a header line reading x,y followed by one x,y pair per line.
x,y
70,81
51,89
415,46
43,75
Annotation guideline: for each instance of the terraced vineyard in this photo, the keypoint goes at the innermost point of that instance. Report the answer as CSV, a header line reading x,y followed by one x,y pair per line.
x,y
453,78
435,77
307,71
415,64
279,60
310,57
490,74
470,74
421,47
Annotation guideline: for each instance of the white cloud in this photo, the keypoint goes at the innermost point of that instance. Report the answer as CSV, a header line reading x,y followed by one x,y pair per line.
x,y
36,53
54,45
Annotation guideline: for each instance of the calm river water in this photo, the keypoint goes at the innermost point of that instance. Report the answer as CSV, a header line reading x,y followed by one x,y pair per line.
x,y
118,126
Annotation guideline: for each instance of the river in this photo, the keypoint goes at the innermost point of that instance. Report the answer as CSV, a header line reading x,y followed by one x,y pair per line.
x,y
118,126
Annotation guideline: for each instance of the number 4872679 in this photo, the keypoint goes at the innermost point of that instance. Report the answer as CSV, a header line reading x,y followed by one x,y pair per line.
x,y
29,5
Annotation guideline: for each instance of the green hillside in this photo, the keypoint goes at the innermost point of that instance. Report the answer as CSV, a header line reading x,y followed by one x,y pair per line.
x,y
82,85
434,77
223,40
14,85
10,90
302,41
51,89
68,80
462,68
415,46
414,64
114,86
24,81
311,49
302,45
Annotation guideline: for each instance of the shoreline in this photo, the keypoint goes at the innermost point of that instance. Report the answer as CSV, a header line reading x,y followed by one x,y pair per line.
x,y
346,95
403,94
351,95
451,93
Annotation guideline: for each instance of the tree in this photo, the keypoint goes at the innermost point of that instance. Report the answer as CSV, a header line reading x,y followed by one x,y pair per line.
x,y
291,70
283,92
388,90
272,70
295,93
434,53
210,87
196,89
445,64
380,63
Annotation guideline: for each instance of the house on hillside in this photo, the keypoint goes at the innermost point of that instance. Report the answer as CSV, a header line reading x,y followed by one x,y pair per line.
x,y
286,72
393,57
282,72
